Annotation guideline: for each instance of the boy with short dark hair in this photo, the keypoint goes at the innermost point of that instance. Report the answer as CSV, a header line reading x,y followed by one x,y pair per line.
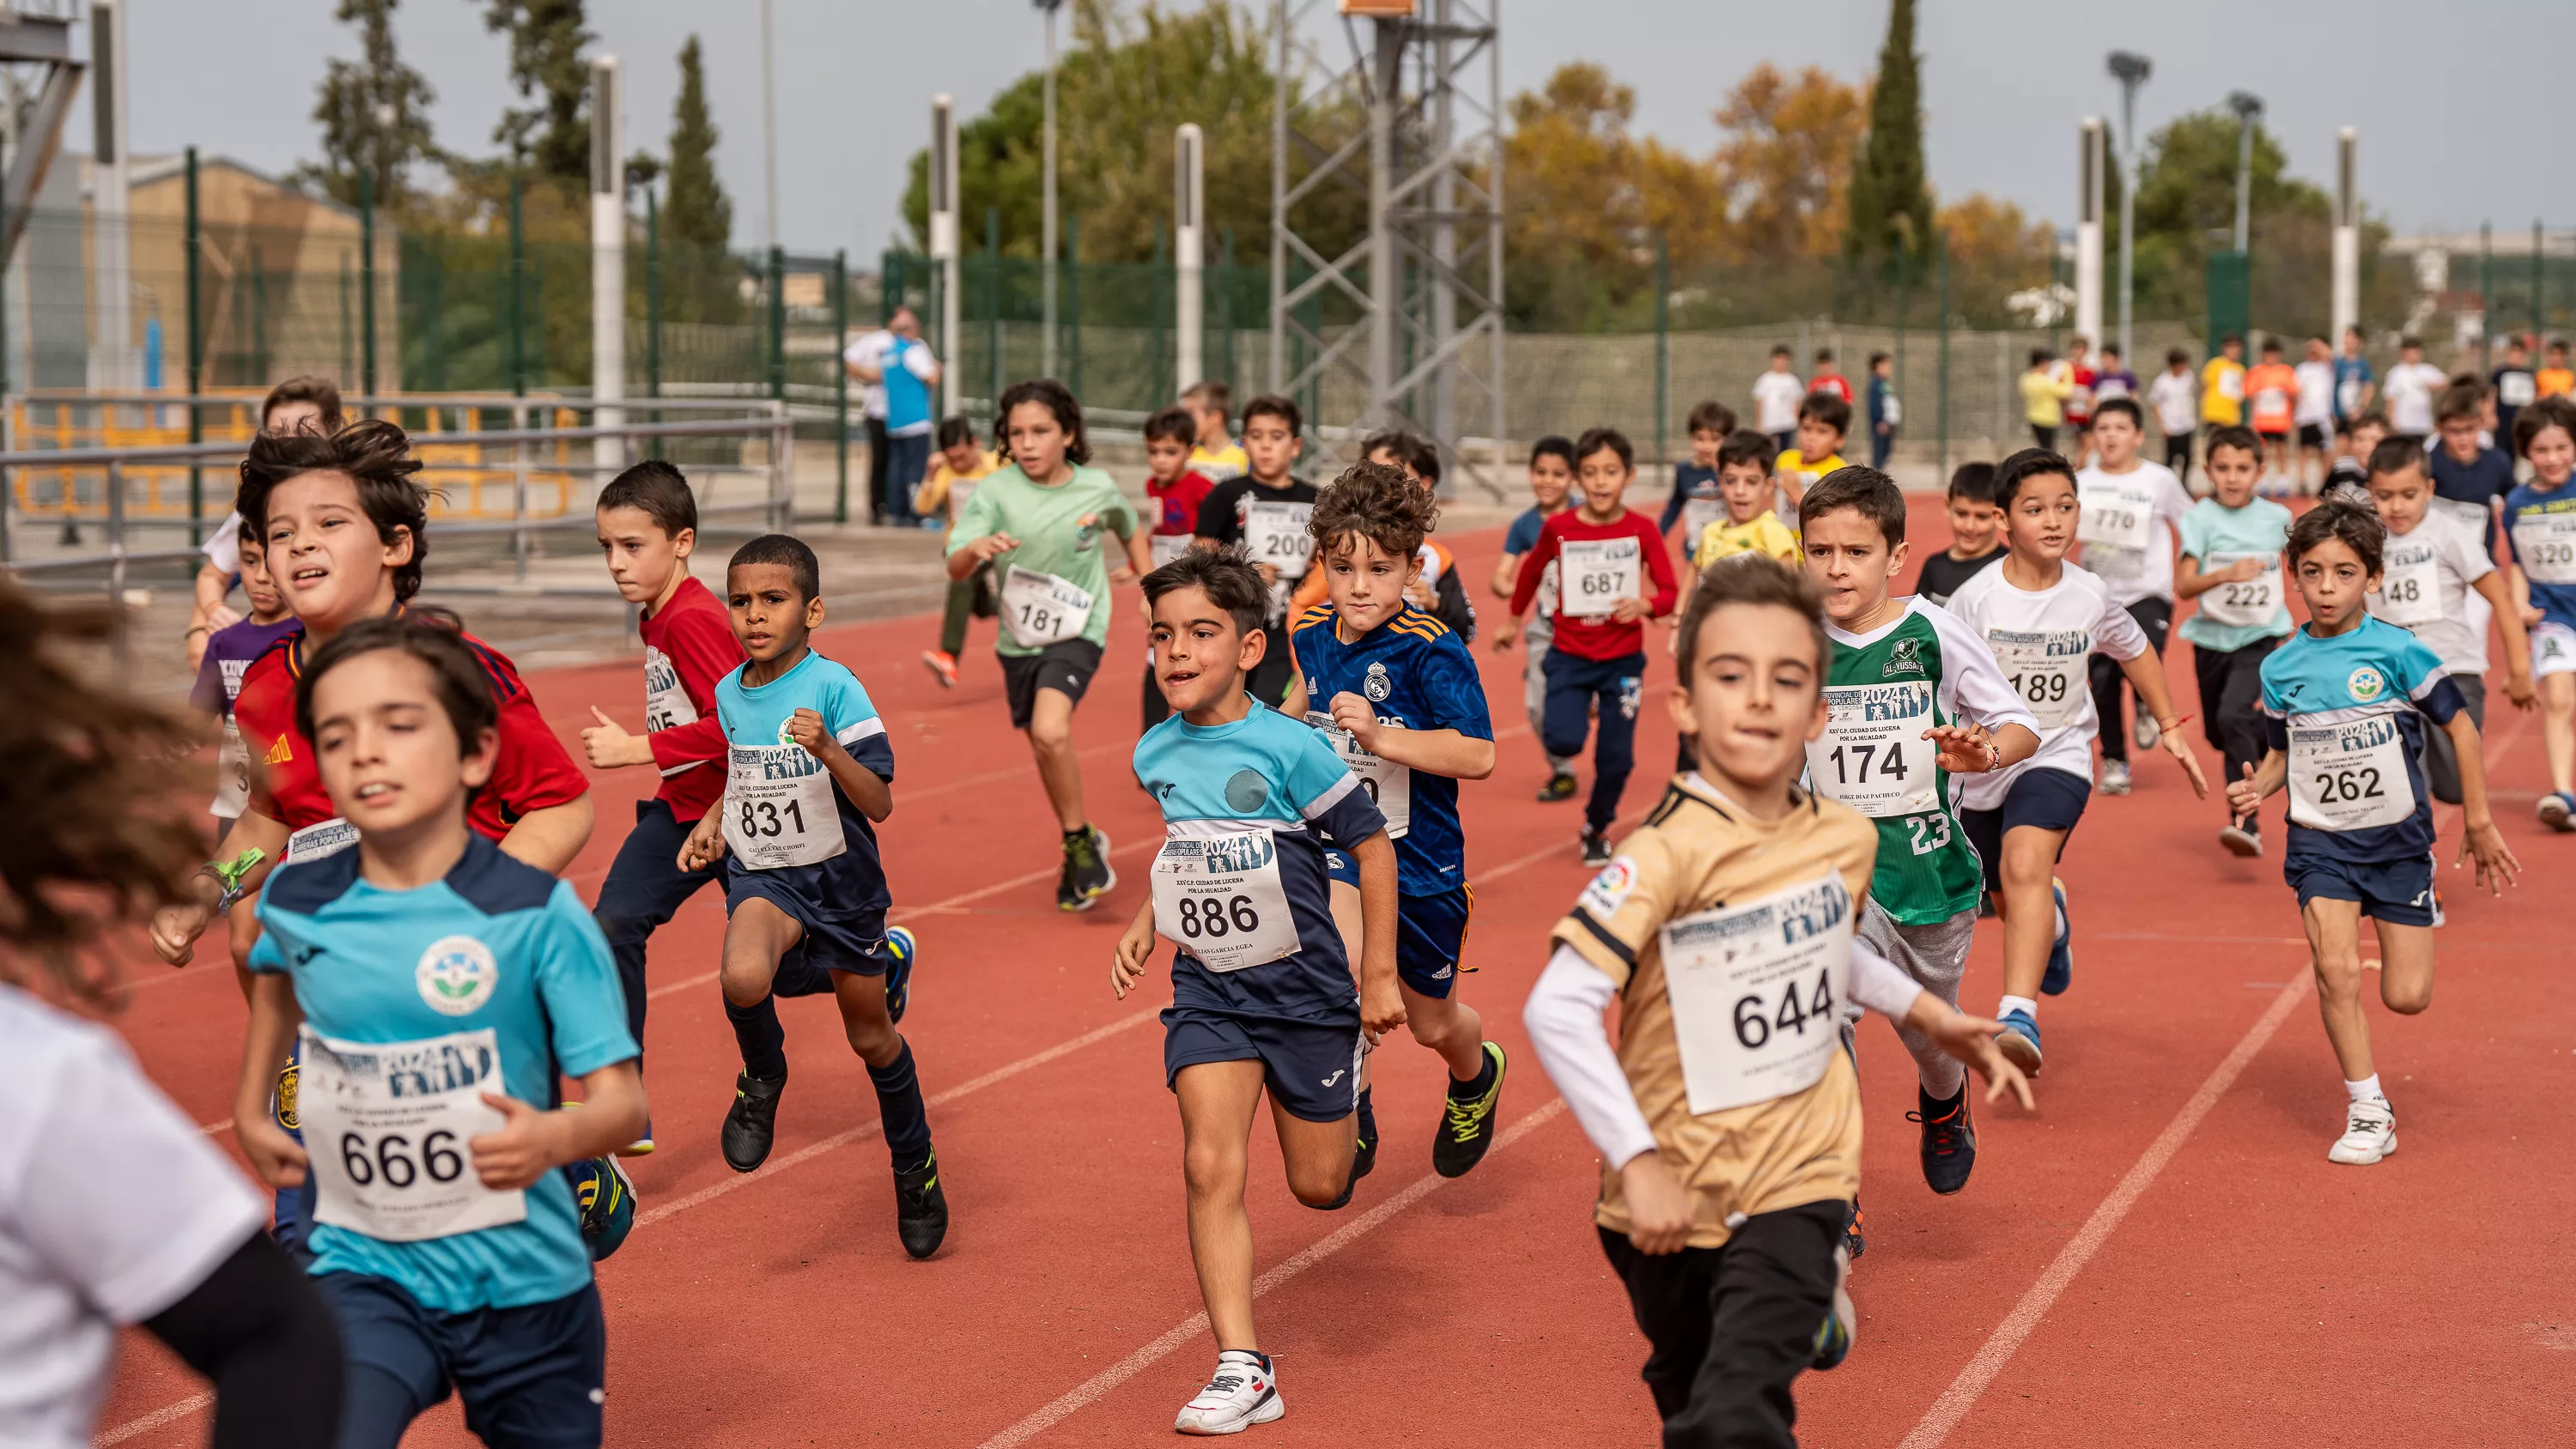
x,y
2412,390
1885,413
2272,389
2231,563
1266,512
811,772
1823,419
219,677
2131,508
1177,489
2515,385
1263,1000
1551,480
1695,502
1827,379
2555,378
955,470
1214,455
2222,385
1776,395
2175,397
2469,477
1976,534
1747,526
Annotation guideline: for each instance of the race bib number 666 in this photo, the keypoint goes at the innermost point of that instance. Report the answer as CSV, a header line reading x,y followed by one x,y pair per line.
x,y
386,1126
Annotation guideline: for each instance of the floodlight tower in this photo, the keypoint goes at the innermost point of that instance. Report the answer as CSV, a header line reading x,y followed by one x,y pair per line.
x,y
943,240
2347,233
1426,278
1189,242
2131,70
111,363
2088,233
2249,110
607,258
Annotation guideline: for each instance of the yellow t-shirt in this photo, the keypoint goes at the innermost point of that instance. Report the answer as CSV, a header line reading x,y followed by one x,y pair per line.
x,y
1794,464
1698,850
1766,534
2044,395
2553,381
940,488
2222,393
1219,464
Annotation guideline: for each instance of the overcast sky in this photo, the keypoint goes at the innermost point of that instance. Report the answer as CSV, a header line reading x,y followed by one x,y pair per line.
x,y
2456,103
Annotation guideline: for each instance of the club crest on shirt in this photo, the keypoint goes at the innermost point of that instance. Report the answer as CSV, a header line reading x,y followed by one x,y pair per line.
x,y
1904,656
1377,686
2366,684
457,975
1246,791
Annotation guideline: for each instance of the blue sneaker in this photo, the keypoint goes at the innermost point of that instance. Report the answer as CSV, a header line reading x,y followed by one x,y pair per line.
x,y
2558,811
2061,952
2019,1041
606,1198
641,1146
898,982
1834,1336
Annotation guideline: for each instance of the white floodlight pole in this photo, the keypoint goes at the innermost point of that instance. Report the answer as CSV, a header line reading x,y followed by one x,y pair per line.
x,y
768,124
1189,224
2347,234
2131,70
943,240
1047,249
111,366
2088,234
607,257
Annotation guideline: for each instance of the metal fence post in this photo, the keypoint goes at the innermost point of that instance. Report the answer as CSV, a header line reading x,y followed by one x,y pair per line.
x,y
347,358
2486,295
1663,350
653,310
519,492
778,323
196,365
518,297
1162,309
367,275
1225,304
116,564
993,307
1073,300
1942,422
2537,323
840,387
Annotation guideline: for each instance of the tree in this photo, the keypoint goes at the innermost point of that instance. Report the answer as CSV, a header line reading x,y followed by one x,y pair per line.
x,y
2186,208
1587,200
697,218
546,37
1889,204
374,114
1786,161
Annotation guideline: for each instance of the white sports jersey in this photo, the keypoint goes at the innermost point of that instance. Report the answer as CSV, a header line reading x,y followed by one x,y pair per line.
x,y
2316,396
2045,641
2425,574
2146,573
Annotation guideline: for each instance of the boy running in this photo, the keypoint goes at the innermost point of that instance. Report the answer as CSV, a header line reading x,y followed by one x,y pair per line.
x,y
1213,454
1696,501
1912,698
439,990
1262,992
2315,414
1177,488
1776,395
1746,525
954,473
1597,661
2555,378
1976,535
228,657
1823,419
1551,478
2131,508
2175,397
1886,412
1041,522
2222,385
2540,540
810,772
2515,386
2412,386
2358,440
1728,1115
2231,563
2356,387
1396,695
2348,698
2272,387
2045,387
2043,618
1265,512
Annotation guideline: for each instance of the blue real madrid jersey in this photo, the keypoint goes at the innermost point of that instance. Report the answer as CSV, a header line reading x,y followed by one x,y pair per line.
x,y
1417,675
2350,712
755,724
496,945
1264,773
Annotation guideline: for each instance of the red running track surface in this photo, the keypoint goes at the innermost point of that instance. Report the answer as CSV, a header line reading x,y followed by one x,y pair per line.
x,y
2161,1254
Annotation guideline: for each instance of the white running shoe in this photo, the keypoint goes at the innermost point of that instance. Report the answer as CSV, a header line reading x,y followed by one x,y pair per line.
x,y
2369,1134
2148,731
1241,1393
2115,777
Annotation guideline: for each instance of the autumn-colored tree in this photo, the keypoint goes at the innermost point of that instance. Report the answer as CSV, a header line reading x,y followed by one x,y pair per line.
x,y
1786,160
1587,200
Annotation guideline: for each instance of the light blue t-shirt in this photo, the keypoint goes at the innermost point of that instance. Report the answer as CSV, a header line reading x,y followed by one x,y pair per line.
x,y
2334,706
755,722
907,394
496,944
2212,530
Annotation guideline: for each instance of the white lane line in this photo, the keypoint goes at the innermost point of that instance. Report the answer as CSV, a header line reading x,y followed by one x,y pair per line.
x,y
1954,1403
1190,1329
155,1420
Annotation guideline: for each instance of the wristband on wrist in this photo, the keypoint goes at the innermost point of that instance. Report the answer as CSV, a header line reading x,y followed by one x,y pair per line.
x,y
227,876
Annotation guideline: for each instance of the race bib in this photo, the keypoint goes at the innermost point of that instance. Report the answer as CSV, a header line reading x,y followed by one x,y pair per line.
x,y
2253,602
2231,385
1873,756
2516,389
2545,545
386,1127
1599,572
2410,589
2349,776
2116,513
1389,785
960,490
1755,991
1040,609
232,772
1162,548
1275,534
2475,517
2047,670
2110,387
1697,515
666,704
2348,397
1547,590
1895,410
316,841
779,808
1219,898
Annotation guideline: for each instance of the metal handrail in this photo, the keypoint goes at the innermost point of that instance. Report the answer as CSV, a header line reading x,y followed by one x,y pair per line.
x,y
768,420
400,400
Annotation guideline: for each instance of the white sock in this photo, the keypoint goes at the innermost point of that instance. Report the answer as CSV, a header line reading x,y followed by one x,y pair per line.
x,y
2061,920
2366,1090
2024,1004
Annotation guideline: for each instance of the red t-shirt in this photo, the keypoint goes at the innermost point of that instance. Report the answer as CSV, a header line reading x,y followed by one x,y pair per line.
x,y
1598,637
2079,403
1180,499
688,646
1831,382
532,773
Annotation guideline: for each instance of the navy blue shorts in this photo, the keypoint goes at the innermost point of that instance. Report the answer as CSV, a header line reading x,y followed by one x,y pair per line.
x,y
1431,931
1312,1067
2392,892
2043,799
833,941
531,1377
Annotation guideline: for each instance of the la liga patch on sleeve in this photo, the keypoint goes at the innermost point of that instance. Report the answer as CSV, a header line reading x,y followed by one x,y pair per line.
x,y
1610,889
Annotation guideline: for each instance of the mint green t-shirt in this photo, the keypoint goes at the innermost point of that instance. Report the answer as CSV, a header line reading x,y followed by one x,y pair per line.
x,y
1059,529
2215,536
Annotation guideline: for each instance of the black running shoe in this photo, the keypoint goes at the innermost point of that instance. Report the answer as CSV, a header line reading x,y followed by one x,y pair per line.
x,y
1949,1140
1558,787
1853,1243
1087,876
751,1124
1467,1123
1596,847
920,1208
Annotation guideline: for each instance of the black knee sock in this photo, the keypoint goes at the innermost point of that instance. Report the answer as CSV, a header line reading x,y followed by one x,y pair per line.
x,y
907,1124
1477,1085
762,1039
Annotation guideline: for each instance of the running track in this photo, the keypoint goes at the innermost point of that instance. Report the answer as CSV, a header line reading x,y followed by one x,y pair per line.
x,y
2160,1255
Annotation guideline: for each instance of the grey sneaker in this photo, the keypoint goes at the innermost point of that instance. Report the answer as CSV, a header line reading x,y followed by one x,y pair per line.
x,y
2148,732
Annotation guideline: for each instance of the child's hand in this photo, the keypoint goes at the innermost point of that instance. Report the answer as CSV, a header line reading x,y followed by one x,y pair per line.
x,y
2246,570
991,546
610,746
805,727
278,1159
522,1152
2243,797
1135,952
2518,688
1504,633
1963,749
1358,717
706,843
1971,1039
1659,1218
2531,616
1629,610
2175,745
175,930
2496,864
1122,576
1381,1007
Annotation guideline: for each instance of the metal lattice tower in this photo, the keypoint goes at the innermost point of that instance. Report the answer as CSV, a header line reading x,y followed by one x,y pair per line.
x,y
1413,121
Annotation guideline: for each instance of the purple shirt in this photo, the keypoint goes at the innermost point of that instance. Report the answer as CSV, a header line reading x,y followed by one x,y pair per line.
x,y
228,655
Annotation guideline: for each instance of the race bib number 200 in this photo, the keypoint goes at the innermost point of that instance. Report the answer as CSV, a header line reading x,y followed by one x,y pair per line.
x,y
386,1127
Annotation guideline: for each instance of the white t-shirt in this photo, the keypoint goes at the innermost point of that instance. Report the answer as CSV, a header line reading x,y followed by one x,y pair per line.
x,y
2044,641
2147,573
1776,396
224,549
2424,576
2316,396
2409,394
2176,399
870,351
112,1208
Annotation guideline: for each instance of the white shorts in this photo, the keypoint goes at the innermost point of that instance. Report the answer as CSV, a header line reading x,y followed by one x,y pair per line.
x,y
2553,649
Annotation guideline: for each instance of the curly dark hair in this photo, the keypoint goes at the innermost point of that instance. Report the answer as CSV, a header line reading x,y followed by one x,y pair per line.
x,y
375,454
102,784
1375,501
1056,398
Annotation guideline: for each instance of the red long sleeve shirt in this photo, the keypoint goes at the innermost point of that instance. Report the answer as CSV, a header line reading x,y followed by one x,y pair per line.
x,y
688,646
1584,627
